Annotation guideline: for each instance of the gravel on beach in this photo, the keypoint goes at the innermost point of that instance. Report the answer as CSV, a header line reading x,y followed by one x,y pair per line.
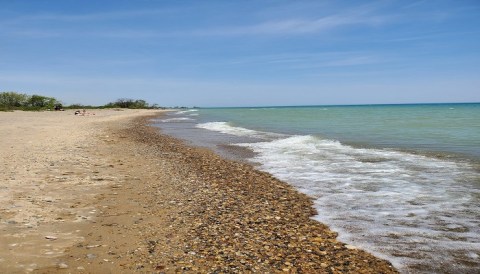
x,y
109,193
233,218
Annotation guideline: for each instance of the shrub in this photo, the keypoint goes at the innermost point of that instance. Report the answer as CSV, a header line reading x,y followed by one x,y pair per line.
x,y
14,100
128,103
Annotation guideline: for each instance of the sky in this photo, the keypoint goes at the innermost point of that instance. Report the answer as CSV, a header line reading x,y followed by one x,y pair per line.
x,y
242,53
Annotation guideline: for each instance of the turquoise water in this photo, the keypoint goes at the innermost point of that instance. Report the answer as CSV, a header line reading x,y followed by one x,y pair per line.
x,y
450,128
400,181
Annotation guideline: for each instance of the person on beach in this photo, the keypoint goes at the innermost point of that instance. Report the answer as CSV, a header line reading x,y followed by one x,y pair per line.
x,y
83,113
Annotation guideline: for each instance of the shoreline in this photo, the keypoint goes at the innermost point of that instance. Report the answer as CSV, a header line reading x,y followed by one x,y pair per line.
x,y
163,206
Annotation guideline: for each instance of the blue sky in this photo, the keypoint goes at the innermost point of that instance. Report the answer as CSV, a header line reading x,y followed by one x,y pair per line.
x,y
242,53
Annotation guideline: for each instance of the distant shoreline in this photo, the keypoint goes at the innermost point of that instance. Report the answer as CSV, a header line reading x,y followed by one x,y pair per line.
x,y
342,105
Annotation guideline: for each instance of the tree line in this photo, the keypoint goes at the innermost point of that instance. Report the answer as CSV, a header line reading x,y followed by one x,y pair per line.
x,y
19,101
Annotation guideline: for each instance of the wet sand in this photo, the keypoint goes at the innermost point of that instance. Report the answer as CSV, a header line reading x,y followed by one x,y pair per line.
x,y
107,193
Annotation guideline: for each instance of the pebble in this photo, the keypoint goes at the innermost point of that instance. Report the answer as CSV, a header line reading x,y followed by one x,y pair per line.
x,y
232,218
91,256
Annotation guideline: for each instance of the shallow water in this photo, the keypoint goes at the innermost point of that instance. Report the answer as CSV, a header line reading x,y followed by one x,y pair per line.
x,y
400,182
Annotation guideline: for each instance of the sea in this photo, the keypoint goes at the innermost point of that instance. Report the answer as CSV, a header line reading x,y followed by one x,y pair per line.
x,y
399,181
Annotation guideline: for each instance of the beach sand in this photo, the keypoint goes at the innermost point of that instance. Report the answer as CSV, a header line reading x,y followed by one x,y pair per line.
x,y
106,193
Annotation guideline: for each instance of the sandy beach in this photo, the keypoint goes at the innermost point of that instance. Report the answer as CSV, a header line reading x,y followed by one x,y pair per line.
x,y
107,193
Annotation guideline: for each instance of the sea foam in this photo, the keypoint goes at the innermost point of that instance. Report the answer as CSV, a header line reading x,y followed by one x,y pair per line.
x,y
226,128
177,119
408,208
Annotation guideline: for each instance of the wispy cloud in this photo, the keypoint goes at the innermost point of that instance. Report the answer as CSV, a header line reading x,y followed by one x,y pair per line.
x,y
301,25
98,16
310,61
278,25
77,25
434,36
32,33
288,26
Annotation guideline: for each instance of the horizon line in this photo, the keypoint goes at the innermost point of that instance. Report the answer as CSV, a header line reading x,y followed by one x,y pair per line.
x,y
336,105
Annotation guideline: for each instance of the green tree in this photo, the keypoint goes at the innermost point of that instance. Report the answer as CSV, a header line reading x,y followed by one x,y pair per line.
x,y
128,103
140,104
12,100
41,102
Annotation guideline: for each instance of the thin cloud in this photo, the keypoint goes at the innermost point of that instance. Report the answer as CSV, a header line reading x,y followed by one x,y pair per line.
x,y
278,27
281,24
99,16
433,36
360,16
311,61
287,26
298,26
33,33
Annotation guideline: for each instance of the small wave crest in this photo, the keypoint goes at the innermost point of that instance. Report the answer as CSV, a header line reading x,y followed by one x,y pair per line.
x,y
179,119
186,111
226,128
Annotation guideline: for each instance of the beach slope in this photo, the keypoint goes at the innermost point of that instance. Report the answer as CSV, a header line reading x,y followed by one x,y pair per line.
x,y
107,193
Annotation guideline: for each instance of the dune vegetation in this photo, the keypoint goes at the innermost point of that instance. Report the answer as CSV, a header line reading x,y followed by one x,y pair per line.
x,y
10,101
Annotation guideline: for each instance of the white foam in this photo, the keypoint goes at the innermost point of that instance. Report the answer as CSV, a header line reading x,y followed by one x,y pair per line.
x,y
391,203
186,111
226,128
177,119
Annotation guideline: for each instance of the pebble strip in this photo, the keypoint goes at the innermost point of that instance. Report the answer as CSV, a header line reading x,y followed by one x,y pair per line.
x,y
233,218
